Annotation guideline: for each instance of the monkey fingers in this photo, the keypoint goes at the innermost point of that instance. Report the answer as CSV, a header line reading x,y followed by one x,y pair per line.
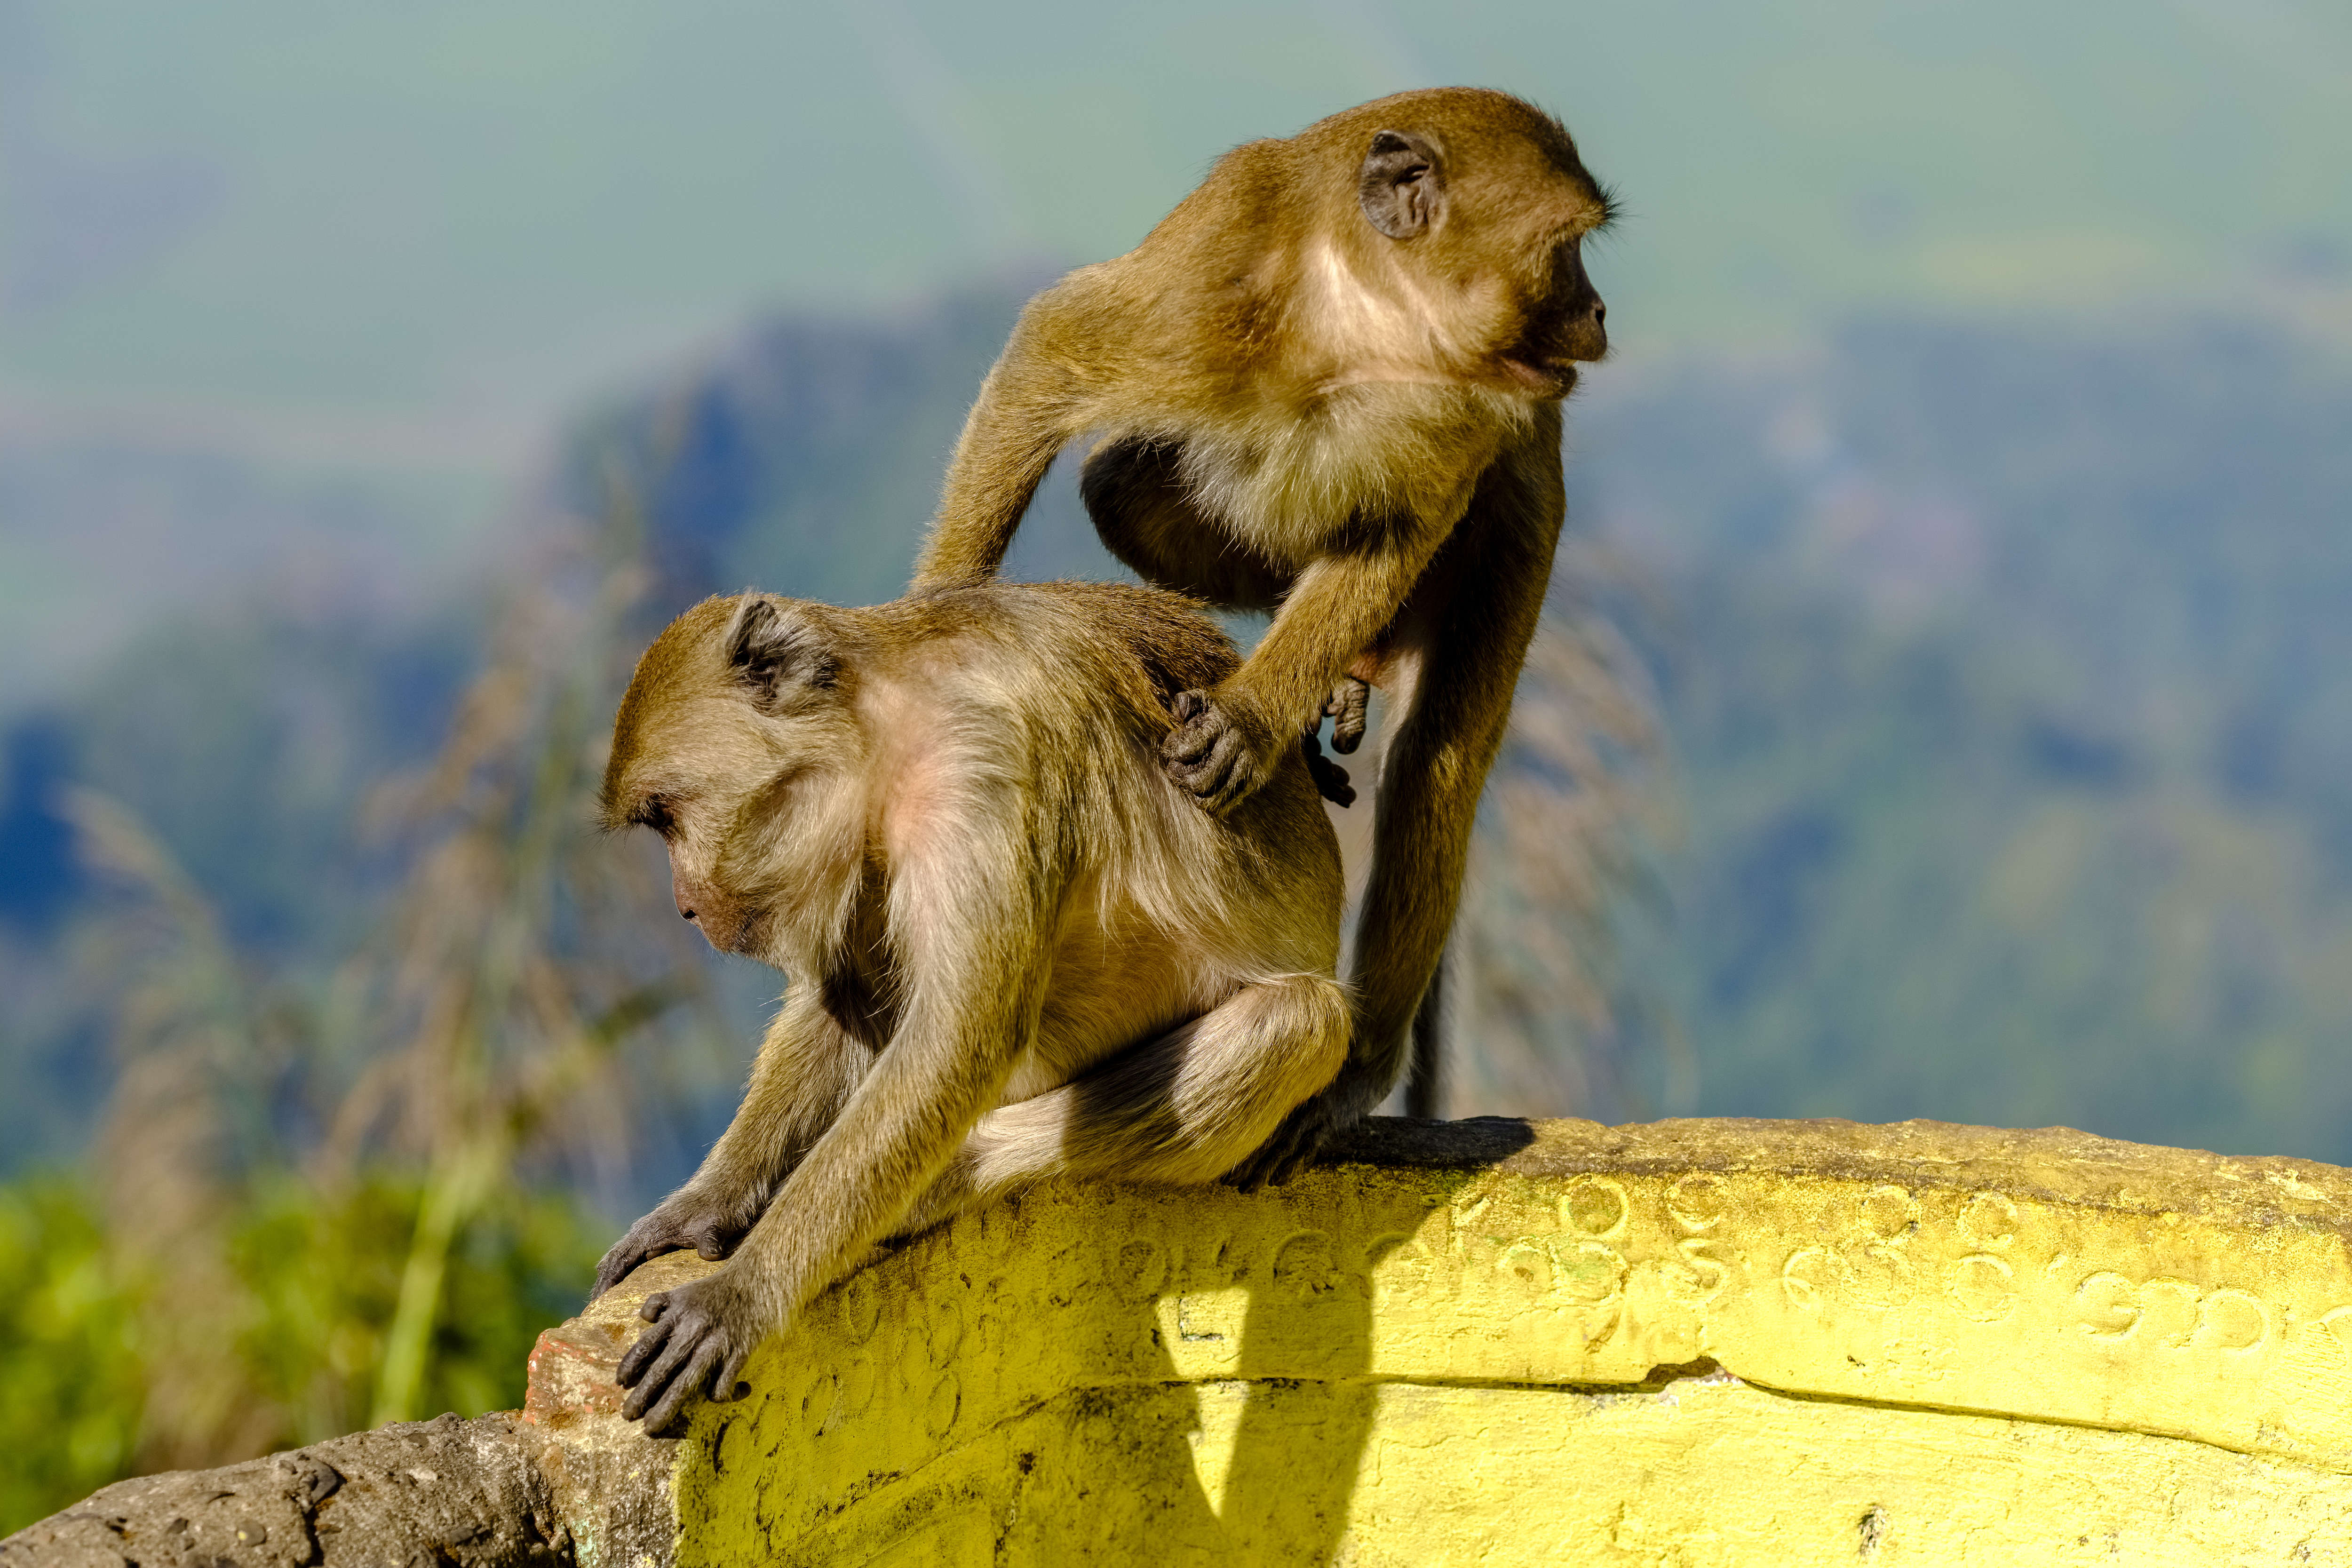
x,y
1210,754
1346,709
695,1344
707,1228
1330,778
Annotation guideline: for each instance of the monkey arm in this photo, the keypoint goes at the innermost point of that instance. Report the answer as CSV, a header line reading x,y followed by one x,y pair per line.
x,y
1227,741
1019,423
806,1068
976,982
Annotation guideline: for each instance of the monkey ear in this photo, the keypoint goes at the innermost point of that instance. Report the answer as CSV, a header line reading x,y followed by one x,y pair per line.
x,y
776,656
1401,189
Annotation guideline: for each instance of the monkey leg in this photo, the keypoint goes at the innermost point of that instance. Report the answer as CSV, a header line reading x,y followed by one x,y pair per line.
x,y
1472,620
1424,1083
1182,1109
807,1066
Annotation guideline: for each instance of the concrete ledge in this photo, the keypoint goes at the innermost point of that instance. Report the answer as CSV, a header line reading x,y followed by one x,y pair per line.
x,y
1494,1342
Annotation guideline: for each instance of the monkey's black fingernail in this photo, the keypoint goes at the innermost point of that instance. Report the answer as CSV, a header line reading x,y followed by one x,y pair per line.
x,y
740,1391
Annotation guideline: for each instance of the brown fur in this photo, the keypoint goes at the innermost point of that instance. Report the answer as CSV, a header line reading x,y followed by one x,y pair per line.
x,y
1327,385
1016,949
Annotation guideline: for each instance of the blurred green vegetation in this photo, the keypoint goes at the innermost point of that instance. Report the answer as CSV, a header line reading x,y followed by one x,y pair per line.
x,y
316,1277
72,1383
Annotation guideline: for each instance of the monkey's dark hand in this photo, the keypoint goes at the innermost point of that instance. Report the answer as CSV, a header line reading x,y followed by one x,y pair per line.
x,y
1303,1134
1214,753
711,1225
1346,709
701,1336
1330,778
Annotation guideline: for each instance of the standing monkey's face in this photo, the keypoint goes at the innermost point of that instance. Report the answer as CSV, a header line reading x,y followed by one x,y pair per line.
x,y
1478,207
734,744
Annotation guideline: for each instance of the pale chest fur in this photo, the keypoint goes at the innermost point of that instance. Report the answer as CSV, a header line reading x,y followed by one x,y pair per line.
x,y
1287,480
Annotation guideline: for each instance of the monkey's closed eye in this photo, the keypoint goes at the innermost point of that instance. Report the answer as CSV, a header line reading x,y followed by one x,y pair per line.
x,y
655,814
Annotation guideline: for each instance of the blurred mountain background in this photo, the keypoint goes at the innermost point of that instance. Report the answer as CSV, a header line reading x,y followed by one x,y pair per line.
x,y
1947,710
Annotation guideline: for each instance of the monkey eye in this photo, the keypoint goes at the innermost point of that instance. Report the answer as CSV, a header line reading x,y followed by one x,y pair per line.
x,y
655,814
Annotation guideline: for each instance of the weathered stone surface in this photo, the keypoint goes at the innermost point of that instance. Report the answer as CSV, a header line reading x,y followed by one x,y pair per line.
x,y
465,1493
1694,1343
609,1483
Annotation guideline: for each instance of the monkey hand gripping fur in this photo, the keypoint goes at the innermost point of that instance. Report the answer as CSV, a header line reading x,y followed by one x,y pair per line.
x,y
1015,949
1327,385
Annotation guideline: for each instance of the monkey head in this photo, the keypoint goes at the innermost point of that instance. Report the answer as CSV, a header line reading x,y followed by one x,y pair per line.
x,y
739,743
1463,210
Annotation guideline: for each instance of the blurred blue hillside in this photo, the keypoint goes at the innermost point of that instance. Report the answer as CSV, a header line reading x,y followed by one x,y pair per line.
x,y
2010,696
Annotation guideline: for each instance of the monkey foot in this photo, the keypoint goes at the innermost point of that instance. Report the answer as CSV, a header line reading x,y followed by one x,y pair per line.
x,y
1301,1137
1330,778
1346,709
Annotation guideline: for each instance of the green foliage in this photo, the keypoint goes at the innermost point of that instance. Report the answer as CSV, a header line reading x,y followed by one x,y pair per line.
x,y
70,1381
324,1274
316,1272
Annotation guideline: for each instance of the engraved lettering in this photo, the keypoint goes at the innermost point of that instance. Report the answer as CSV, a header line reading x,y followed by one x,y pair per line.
x,y
1696,1201
947,1332
858,1386
1888,1213
1304,1266
1583,1274
1984,1288
817,1405
861,1306
1699,1277
1529,1264
1798,1280
2108,1303
1595,1207
1989,1222
945,1403
1588,1273
2231,1321
2178,1314
2169,1309
1196,1317
1142,1269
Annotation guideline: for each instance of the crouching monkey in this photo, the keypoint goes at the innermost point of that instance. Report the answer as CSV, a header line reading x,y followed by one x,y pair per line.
x,y
1015,947
1327,385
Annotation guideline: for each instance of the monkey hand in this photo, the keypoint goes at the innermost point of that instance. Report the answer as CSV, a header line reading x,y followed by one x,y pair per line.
x,y
1303,1133
1216,751
700,1337
1346,708
708,1224
1330,778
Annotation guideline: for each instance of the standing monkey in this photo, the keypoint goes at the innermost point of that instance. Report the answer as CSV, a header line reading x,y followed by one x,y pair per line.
x,y
1327,385
1014,947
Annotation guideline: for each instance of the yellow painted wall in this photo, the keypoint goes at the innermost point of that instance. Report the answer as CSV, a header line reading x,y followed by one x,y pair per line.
x,y
1692,1343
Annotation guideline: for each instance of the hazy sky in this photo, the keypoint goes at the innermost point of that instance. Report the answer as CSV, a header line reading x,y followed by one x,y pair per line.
x,y
414,234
